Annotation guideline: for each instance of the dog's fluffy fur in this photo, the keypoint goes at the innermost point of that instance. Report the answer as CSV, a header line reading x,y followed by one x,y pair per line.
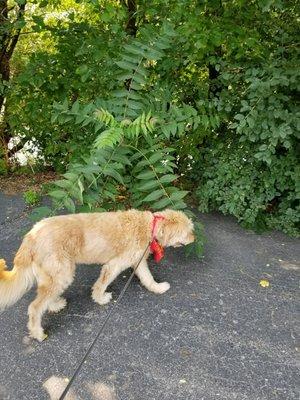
x,y
117,240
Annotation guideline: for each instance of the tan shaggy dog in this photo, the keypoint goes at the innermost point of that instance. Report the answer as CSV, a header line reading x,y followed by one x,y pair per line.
x,y
117,240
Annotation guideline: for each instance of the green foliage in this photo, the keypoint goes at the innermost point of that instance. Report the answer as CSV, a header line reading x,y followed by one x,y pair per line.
x,y
249,166
31,197
71,58
3,167
197,248
261,197
126,157
129,164
133,121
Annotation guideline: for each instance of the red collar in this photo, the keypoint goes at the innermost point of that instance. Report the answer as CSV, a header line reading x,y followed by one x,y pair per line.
x,y
156,218
155,247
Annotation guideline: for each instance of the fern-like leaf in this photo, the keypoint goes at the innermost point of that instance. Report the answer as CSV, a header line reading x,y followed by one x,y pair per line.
x,y
109,137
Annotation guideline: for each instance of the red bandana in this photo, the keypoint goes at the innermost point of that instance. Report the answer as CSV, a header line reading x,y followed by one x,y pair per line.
x,y
156,248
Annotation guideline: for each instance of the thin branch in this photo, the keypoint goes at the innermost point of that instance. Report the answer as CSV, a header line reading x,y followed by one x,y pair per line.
x,y
153,169
11,152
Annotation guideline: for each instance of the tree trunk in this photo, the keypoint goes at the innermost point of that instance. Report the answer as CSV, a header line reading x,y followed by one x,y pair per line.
x,y
131,27
213,75
8,41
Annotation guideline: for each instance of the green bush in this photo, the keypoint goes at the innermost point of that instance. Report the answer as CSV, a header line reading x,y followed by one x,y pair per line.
x,y
134,111
249,167
261,196
130,163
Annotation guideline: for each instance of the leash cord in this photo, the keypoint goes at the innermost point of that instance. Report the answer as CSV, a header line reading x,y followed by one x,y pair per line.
x,y
64,393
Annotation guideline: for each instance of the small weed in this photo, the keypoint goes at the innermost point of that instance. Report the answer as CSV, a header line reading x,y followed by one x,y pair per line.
x,y
32,197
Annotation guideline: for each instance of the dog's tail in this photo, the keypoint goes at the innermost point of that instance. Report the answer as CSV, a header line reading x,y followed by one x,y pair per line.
x,y
14,284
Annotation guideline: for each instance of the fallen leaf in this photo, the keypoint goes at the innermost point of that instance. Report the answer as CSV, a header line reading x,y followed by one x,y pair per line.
x,y
264,283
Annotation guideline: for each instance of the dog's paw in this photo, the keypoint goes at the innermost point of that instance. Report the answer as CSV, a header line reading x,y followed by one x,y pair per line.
x,y
103,299
57,305
160,288
38,334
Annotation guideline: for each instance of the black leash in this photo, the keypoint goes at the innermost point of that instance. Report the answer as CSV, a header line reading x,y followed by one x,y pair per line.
x,y
64,393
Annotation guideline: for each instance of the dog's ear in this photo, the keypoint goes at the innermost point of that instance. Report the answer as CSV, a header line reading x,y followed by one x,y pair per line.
x,y
169,227
164,232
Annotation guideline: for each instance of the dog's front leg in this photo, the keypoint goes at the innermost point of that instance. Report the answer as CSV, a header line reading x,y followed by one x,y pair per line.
x,y
148,281
108,273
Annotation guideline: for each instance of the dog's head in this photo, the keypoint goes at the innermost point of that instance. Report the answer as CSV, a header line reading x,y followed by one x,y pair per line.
x,y
175,229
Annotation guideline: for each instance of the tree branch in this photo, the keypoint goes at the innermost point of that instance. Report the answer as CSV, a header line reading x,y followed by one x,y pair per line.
x,y
11,152
15,38
3,18
131,26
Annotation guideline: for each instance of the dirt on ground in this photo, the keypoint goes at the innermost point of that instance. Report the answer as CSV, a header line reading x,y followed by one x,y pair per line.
x,y
18,183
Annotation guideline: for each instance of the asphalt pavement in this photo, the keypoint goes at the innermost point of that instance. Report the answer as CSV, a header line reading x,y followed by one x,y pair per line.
x,y
216,334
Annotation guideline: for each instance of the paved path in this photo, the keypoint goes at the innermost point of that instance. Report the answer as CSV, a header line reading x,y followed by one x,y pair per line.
x,y
215,335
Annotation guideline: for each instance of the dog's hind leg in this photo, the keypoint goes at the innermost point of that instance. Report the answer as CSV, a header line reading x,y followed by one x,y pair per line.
x,y
108,273
50,286
57,305
148,281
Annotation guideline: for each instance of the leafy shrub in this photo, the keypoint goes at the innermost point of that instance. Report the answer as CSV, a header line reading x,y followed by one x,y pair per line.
x,y
251,168
235,182
66,63
130,163
213,104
